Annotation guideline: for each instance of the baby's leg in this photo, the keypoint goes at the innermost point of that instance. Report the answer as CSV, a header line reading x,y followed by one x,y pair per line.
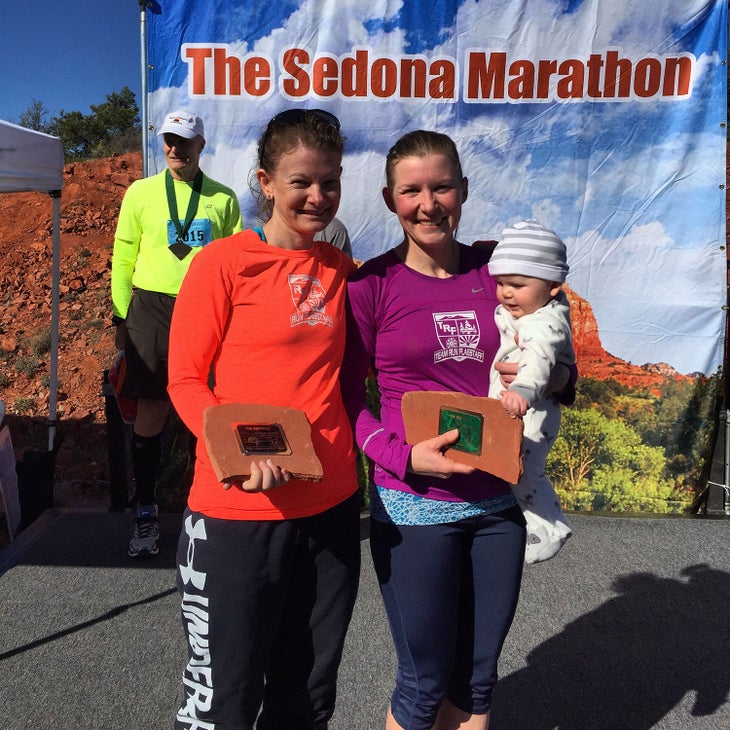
x,y
547,525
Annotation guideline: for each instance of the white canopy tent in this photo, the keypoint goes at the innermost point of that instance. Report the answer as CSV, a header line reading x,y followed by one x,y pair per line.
x,y
33,161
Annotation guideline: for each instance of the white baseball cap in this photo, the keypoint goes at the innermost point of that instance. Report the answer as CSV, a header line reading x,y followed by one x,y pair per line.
x,y
182,123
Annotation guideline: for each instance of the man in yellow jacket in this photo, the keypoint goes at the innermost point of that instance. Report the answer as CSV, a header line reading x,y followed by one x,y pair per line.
x,y
164,221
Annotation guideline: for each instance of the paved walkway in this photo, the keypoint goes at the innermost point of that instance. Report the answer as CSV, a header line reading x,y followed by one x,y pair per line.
x,y
628,629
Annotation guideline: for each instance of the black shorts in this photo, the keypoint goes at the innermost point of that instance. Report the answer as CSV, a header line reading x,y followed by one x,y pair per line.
x,y
146,347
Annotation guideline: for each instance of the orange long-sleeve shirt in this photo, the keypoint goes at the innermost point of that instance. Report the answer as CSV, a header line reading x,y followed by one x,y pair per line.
x,y
269,324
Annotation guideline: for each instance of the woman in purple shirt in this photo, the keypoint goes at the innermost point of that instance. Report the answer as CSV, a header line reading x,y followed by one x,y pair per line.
x,y
447,540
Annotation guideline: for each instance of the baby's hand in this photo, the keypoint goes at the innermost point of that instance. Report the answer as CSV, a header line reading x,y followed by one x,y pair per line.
x,y
515,404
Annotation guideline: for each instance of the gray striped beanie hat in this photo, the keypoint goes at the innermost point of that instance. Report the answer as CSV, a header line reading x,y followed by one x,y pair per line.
x,y
529,249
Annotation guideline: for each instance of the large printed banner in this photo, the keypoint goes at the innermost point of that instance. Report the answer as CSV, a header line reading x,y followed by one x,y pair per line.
x,y
604,119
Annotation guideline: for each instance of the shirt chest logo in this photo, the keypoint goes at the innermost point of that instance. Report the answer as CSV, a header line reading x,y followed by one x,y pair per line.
x,y
458,335
309,298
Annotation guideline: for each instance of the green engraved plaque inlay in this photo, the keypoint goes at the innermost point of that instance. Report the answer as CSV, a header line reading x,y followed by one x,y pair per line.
x,y
470,428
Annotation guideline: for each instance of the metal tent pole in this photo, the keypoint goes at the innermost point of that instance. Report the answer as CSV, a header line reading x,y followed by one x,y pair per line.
x,y
726,485
55,306
143,66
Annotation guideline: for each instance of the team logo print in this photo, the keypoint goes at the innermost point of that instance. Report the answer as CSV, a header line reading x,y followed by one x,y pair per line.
x,y
458,334
309,298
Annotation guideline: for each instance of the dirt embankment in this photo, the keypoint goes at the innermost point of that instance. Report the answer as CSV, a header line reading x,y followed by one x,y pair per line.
x,y
90,203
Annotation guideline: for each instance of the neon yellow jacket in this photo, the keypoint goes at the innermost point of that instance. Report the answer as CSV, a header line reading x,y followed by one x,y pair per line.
x,y
141,256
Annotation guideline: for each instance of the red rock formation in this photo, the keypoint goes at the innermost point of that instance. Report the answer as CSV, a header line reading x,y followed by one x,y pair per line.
x,y
595,362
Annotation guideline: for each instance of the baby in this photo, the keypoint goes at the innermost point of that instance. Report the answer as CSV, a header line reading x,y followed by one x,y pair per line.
x,y
533,317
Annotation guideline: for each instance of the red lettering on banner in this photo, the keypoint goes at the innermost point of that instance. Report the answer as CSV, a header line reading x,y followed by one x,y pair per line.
x,y
521,86
413,78
678,76
443,82
228,73
490,77
648,77
618,73
570,85
384,78
217,72
197,76
257,76
595,64
545,69
485,81
359,75
325,76
298,83
355,74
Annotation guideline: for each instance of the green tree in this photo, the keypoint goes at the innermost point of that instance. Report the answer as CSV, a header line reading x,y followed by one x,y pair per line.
x,y
681,419
34,117
77,132
579,444
632,481
679,416
119,122
599,394
112,127
599,463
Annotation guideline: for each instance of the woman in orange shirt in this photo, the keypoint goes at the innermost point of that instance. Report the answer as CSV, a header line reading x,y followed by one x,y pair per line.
x,y
268,567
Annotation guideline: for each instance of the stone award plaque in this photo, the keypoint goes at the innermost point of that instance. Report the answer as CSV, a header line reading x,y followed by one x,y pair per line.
x,y
489,438
237,433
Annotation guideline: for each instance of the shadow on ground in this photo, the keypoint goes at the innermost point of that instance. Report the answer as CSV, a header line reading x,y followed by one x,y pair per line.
x,y
629,662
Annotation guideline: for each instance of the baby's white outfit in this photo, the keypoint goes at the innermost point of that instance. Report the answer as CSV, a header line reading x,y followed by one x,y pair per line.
x,y
545,338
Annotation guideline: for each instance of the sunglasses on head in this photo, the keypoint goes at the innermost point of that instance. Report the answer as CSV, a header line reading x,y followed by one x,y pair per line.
x,y
297,116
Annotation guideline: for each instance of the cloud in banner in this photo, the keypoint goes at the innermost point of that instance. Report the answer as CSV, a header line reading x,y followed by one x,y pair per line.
x,y
640,270
597,173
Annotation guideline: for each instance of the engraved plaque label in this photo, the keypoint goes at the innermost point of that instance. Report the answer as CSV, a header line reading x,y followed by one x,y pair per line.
x,y
262,439
470,427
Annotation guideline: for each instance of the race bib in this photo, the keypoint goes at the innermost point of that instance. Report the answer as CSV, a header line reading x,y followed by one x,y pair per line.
x,y
200,233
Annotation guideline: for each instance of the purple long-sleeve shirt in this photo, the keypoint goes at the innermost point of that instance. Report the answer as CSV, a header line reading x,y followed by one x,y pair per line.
x,y
418,333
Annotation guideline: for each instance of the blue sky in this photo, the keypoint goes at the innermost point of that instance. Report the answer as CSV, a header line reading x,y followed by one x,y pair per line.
x,y
68,54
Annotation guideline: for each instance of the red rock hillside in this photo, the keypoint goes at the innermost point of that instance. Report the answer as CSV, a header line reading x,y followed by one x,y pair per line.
x,y
91,197
90,203
595,362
